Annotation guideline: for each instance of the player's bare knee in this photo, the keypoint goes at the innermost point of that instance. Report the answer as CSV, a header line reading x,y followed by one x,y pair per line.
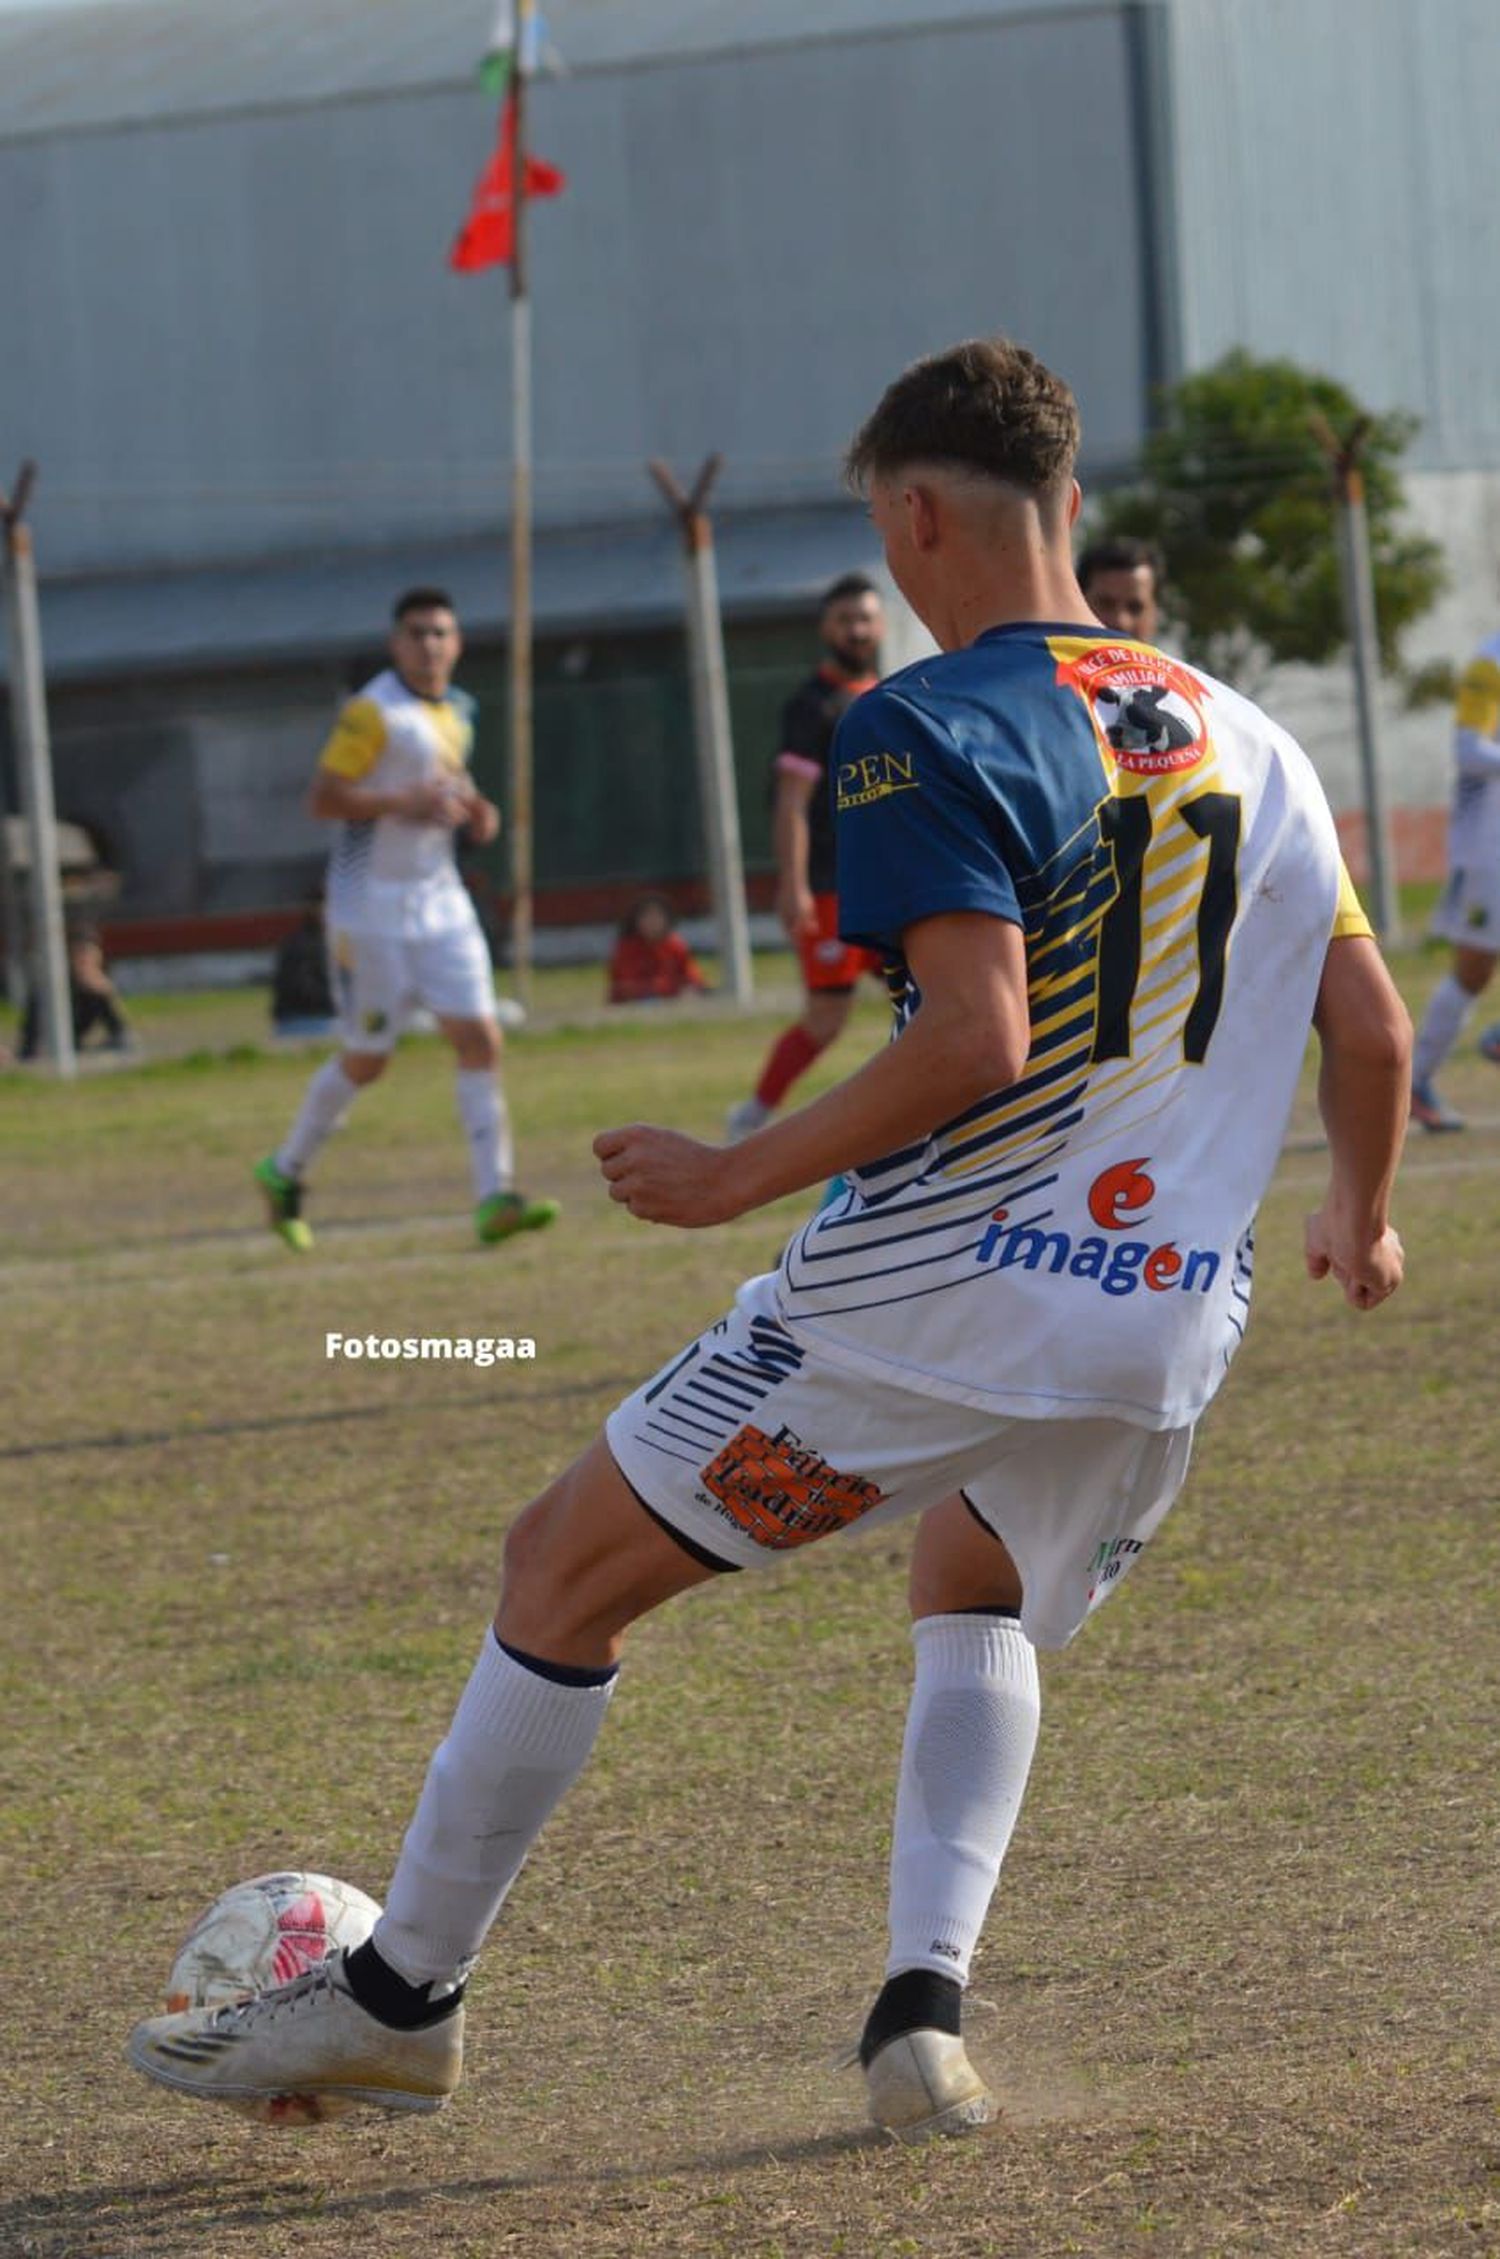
x,y
958,1563
1472,969
559,1587
364,1067
527,1571
476,1044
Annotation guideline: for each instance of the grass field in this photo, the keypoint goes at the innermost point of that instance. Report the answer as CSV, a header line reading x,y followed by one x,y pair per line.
x,y
1239,1989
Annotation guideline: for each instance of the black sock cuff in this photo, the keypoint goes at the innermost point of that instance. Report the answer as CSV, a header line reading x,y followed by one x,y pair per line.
x,y
388,1997
561,1674
916,2000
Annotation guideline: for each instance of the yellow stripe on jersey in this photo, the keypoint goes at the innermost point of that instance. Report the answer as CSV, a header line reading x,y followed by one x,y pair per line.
x,y
455,736
1478,706
1349,918
357,742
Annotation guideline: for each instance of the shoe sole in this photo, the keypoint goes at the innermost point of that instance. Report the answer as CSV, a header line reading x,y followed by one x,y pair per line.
x,y
378,2098
962,2118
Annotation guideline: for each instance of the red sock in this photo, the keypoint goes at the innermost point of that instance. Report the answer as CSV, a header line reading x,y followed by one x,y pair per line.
x,y
791,1056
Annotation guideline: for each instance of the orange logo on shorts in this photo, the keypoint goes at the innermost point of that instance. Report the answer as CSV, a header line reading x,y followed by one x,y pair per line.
x,y
780,1493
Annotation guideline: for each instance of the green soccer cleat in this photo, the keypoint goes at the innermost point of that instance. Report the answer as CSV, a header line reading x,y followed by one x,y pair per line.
x,y
503,1214
284,1201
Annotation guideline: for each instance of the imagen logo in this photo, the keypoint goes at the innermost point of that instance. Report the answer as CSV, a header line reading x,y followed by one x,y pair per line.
x,y
1119,1200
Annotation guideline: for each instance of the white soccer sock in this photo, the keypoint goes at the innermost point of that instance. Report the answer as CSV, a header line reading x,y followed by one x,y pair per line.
x,y
518,1741
486,1119
971,1728
327,1099
1442,1024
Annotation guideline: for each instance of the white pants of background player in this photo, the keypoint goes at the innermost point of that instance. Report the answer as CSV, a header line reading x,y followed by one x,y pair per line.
x,y
379,981
1468,915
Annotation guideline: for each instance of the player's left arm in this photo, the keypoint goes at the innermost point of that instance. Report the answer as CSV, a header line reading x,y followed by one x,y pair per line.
x,y
1363,1094
969,1036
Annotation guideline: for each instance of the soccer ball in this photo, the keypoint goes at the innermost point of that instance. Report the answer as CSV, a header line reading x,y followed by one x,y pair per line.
x,y
263,1933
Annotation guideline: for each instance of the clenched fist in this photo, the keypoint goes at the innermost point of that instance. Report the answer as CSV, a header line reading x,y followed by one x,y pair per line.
x,y
666,1178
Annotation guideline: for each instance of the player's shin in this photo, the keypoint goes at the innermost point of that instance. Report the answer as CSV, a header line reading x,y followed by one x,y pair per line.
x,y
1442,1025
971,1729
970,1732
486,1119
521,1734
325,1102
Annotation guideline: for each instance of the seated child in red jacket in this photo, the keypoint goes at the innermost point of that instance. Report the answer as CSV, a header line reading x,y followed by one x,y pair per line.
x,y
651,959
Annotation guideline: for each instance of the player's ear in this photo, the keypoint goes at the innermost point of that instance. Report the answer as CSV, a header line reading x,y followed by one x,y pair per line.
x,y
1075,502
922,516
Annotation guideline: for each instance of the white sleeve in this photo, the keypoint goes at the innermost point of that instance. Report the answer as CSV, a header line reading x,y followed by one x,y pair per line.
x,y
1476,756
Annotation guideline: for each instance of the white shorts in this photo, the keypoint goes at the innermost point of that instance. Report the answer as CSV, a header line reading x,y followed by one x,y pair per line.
x,y
747,1445
1468,912
380,980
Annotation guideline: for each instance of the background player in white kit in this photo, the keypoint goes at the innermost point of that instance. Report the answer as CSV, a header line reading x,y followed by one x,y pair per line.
x,y
1111,900
394,780
1469,913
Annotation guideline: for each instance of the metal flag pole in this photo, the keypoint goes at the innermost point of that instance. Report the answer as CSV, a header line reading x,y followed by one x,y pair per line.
x,y
28,709
519,815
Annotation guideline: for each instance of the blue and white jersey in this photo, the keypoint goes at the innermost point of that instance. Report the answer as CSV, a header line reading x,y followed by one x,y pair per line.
x,y
1080,1242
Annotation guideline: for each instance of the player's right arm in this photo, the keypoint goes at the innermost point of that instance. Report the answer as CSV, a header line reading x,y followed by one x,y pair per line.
x,y
968,1038
340,794
1364,1089
920,869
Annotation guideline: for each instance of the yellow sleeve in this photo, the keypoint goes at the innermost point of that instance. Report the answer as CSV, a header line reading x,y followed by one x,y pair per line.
x,y
357,742
1478,705
1349,918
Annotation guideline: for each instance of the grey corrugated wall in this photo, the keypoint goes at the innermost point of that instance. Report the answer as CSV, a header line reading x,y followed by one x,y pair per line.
x,y
239,336
1338,164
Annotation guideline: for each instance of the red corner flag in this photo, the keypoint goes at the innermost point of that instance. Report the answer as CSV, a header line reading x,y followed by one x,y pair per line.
x,y
488,235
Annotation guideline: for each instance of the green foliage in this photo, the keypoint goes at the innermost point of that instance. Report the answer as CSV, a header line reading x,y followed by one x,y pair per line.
x,y
1237,494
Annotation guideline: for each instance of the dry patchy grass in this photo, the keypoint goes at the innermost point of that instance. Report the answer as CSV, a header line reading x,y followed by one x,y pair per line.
x,y
1238,1990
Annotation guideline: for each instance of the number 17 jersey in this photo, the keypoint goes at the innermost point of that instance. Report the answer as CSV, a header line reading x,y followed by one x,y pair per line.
x,y
1080,1242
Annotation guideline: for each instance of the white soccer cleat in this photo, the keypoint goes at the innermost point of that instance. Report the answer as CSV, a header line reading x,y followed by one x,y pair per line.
x,y
923,2084
305,2044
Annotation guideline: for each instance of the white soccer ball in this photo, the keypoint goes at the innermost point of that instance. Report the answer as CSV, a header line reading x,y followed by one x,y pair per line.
x,y
260,1934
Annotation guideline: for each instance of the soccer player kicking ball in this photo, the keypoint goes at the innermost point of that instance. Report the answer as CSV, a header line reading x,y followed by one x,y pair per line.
x,y
1111,900
394,781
